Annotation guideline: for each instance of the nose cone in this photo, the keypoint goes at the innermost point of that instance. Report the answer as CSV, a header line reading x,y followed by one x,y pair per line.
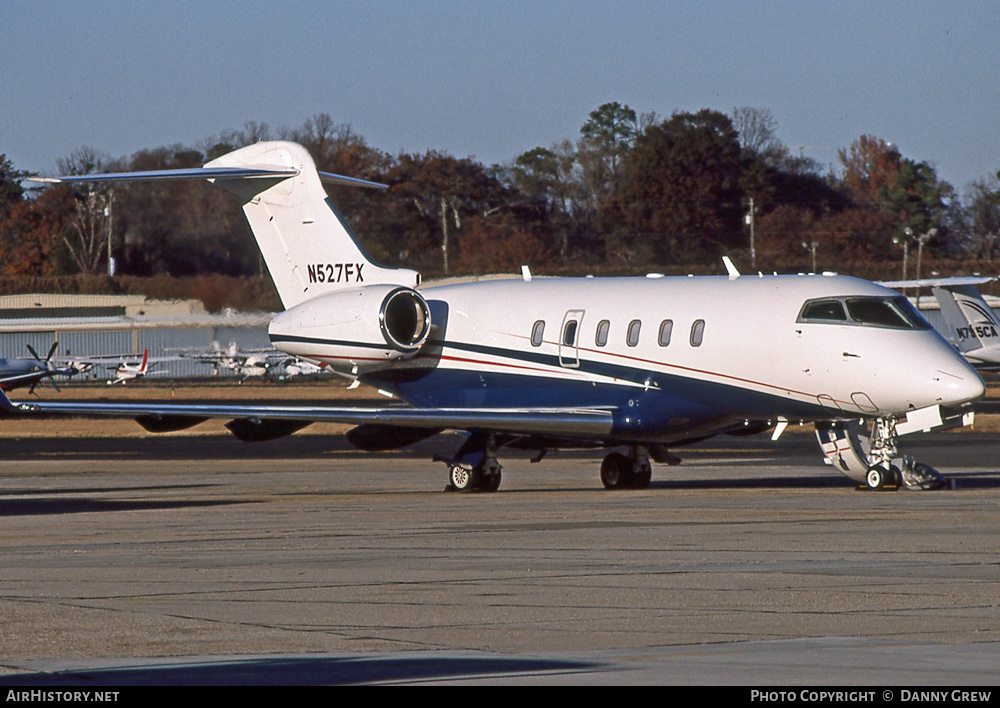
x,y
959,383
927,372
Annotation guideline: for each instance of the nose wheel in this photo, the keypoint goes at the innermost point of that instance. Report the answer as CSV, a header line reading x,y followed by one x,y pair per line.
x,y
879,477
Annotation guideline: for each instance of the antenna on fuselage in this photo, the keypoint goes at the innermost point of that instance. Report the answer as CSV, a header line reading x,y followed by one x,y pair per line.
x,y
733,271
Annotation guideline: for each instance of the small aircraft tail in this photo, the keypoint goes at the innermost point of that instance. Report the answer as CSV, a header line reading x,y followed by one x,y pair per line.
x,y
308,247
972,325
145,362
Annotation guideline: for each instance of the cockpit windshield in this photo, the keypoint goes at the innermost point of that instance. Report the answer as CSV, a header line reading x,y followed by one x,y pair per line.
x,y
894,312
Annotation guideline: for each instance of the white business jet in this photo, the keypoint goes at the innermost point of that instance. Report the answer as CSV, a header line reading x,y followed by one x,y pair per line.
x,y
638,364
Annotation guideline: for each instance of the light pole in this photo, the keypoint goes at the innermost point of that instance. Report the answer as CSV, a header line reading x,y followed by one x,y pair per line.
x,y
753,250
921,240
811,247
905,243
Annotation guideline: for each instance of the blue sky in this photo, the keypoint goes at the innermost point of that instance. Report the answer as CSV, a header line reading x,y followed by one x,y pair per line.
x,y
492,80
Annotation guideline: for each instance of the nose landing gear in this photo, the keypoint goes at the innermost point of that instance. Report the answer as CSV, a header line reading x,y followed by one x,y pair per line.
x,y
873,459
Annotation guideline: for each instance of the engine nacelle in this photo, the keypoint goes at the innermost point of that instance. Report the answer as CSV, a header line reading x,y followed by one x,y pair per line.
x,y
355,329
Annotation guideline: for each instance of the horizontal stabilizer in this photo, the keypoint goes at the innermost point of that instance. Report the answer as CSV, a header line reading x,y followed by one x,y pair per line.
x,y
186,173
937,282
264,172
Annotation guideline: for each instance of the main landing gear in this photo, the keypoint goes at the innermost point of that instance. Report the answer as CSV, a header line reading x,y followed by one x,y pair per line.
x,y
481,478
475,467
873,459
633,471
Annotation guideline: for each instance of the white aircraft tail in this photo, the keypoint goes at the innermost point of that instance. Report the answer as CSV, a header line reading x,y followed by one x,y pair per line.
x,y
308,247
972,325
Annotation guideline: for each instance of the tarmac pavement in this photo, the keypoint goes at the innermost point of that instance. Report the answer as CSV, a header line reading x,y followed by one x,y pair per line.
x,y
184,559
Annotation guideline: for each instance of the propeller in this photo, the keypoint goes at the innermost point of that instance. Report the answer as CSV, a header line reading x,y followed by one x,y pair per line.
x,y
48,357
48,365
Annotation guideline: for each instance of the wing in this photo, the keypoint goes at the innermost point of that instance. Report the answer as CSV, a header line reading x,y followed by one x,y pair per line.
x,y
585,423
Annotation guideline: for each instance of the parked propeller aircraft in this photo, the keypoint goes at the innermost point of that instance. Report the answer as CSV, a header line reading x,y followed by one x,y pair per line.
x,y
126,367
127,371
21,372
300,367
245,363
640,364
970,324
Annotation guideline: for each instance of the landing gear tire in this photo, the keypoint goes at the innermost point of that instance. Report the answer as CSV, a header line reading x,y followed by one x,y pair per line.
x,y
616,471
491,482
462,479
878,477
875,477
642,478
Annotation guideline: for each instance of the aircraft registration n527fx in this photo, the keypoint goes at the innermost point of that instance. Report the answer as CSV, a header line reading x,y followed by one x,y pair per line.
x,y
639,364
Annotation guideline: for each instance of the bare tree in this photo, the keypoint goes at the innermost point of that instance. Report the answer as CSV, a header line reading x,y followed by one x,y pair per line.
x,y
93,223
756,127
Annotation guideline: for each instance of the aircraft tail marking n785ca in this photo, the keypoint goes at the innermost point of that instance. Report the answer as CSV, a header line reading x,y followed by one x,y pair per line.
x,y
639,364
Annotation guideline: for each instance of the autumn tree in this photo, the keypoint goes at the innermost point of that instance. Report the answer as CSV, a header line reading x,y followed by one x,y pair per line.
x,y
868,166
551,197
183,227
875,174
31,236
916,200
982,218
681,186
11,191
441,192
492,245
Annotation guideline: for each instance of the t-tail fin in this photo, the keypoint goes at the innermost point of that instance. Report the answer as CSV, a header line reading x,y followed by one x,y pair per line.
x,y
307,245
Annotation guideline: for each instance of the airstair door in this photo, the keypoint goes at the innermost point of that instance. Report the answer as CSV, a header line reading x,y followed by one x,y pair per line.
x,y
569,340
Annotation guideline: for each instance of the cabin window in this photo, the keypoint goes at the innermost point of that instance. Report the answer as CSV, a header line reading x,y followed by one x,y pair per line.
x,y
824,310
666,327
697,333
537,331
632,337
569,334
603,327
